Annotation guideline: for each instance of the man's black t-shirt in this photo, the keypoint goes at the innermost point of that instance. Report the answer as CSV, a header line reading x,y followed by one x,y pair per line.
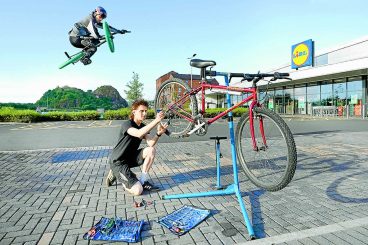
x,y
127,144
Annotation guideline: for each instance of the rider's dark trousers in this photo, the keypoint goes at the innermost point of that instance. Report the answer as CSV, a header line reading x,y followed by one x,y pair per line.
x,y
90,46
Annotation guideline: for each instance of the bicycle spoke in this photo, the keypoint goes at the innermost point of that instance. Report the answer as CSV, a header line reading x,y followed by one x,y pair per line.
x,y
268,164
178,105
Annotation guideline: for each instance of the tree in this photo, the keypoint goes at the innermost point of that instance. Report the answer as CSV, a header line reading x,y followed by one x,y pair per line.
x,y
134,89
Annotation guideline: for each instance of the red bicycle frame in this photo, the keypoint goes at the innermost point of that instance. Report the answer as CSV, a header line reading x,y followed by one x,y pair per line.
x,y
205,86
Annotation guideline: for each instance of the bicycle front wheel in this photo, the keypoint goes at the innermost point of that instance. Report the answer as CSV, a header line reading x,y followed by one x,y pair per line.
x,y
172,98
108,36
271,163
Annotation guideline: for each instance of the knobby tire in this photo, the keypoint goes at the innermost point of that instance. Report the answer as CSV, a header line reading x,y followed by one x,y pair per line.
x,y
269,167
73,59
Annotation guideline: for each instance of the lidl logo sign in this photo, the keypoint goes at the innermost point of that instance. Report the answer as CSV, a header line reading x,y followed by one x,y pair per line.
x,y
302,54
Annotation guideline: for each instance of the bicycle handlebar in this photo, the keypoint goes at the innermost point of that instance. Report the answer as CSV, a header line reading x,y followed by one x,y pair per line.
x,y
277,75
103,37
123,31
250,77
259,76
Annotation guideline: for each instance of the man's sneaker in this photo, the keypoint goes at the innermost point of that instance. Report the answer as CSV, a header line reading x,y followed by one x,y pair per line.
x,y
86,61
110,179
147,186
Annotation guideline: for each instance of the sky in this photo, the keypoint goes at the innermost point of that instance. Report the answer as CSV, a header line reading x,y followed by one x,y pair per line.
x,y
240,35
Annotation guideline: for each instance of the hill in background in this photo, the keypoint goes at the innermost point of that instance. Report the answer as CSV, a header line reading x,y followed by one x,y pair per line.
x,y
106,97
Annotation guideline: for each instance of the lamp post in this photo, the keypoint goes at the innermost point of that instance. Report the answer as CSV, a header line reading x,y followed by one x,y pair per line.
x,y
191,73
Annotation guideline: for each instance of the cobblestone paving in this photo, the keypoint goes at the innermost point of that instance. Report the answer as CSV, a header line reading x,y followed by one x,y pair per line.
x,y
54,196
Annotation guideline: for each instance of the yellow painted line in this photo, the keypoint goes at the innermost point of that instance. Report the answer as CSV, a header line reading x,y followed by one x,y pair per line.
x,y
44,126
50,127
92,123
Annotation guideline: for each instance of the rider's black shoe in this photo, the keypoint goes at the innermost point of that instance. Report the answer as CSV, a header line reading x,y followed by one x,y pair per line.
x,y
86,61
147,186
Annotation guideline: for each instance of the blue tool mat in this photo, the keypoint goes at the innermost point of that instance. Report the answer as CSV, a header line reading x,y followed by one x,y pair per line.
x,y
184,219
107,229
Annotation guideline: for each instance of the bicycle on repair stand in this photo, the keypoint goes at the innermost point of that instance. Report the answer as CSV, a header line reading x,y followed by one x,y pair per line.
x,y
265,146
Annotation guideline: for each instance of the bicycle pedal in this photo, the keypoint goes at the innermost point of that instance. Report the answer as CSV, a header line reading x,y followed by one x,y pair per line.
x,y
196,128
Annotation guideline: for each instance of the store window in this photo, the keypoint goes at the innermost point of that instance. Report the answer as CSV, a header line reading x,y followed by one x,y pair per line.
x,y
266,98
270,99
313,99
262,96
279,101
339,93
326,93
289,100
355,95
327,106
246,95
300,97
235,99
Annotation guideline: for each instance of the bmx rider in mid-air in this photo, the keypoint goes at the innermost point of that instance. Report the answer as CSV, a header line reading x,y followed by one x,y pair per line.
x,y
84,33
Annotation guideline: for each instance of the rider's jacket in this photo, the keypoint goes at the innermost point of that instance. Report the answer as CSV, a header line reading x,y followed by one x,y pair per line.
x,y
86,27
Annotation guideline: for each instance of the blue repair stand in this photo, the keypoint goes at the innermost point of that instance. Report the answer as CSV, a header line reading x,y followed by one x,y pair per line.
x,y
233,188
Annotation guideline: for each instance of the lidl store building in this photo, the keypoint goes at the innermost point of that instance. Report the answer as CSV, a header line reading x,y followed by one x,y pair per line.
x,y
326,83
330,83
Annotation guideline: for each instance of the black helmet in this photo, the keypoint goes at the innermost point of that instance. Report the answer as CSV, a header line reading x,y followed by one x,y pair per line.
x,y
101,11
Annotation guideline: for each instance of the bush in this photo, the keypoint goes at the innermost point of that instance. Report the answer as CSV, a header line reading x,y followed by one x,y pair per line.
x,y
238,112
212,112
9,114
70,116
123,114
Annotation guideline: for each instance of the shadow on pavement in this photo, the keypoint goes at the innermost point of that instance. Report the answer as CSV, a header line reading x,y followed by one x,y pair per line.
x,y
332,190
318,132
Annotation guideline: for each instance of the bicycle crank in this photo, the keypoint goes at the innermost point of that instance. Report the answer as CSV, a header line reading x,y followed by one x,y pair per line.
x,y
200,128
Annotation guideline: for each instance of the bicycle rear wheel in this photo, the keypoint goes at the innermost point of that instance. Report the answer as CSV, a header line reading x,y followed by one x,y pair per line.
x,y
73,59
270,166
170,98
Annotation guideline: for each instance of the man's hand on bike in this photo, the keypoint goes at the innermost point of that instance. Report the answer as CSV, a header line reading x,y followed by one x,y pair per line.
x,y
160,116
123,31
161,128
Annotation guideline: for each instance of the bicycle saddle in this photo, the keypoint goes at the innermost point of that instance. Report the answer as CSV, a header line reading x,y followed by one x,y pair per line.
x,y
202,63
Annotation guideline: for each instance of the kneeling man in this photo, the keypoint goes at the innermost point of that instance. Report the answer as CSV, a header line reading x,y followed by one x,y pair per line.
x,y
127,154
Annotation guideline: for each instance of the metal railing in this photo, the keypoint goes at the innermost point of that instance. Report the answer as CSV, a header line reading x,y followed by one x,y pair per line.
x,y
347,111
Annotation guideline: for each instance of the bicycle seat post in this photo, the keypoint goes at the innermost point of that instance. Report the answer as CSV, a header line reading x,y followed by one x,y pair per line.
x,y
218,156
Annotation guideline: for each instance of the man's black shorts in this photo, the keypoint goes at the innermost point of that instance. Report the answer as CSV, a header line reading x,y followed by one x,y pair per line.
x,y
121,168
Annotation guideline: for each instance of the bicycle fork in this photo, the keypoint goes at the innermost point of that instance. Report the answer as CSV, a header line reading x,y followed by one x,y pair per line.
x,y
252,116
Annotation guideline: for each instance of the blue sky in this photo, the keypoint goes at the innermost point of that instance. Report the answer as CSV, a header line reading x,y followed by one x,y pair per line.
x,y
240,35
